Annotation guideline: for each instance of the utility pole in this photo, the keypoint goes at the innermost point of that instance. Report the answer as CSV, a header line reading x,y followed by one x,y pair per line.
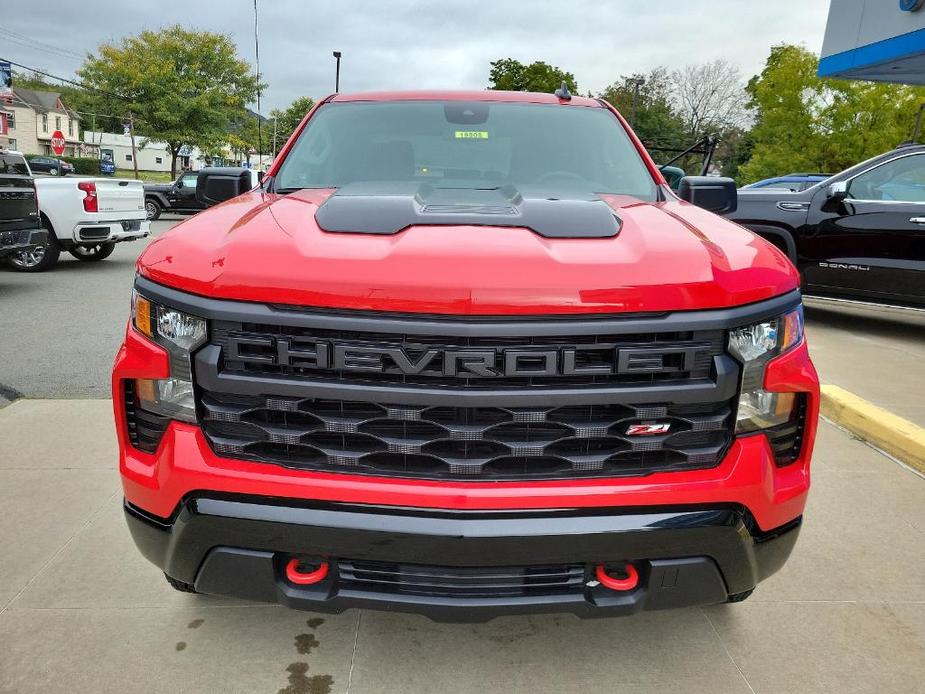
x,y
131,133
275,118
257,73
637,83
337,55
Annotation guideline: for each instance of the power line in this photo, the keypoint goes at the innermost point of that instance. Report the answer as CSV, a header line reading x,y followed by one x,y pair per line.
x,y
68,81
29,42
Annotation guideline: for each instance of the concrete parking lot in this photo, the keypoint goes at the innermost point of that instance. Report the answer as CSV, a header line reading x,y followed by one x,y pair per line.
x,y
82,611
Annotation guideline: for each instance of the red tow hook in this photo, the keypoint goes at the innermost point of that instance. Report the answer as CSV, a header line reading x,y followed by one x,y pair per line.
x,y
305,579
621,584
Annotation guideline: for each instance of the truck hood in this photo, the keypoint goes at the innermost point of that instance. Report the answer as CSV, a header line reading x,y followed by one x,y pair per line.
x,y
270,248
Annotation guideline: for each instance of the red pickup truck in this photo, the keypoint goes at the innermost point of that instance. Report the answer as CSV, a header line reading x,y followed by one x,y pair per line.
x,y
465,354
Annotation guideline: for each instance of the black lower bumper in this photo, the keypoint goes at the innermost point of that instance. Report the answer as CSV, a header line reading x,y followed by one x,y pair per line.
x,y
239,546
21,240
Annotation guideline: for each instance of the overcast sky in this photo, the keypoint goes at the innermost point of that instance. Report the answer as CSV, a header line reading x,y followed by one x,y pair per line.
x,y
410,44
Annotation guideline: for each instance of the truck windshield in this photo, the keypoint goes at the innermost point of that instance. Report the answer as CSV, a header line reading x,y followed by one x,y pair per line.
x,y
456,144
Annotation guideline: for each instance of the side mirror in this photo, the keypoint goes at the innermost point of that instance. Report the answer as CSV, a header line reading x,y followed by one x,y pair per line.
x,y
718,195
837,191
220,183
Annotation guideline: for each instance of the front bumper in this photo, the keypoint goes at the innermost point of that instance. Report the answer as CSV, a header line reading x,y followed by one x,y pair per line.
x,y
237,546
111,232
21,240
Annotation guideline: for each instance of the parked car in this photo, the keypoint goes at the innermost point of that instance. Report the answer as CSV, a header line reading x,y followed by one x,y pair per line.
x,y
50,165
20,231
443,362
859,235
179,197
107,167
794,182
86,217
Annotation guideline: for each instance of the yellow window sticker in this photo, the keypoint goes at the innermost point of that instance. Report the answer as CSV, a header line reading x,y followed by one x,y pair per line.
x,y
471,135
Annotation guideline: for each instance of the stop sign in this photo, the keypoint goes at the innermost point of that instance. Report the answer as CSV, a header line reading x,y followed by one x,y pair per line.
x,y
57,142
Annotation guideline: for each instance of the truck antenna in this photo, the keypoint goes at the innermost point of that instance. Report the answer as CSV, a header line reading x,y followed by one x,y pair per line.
x,y
563,92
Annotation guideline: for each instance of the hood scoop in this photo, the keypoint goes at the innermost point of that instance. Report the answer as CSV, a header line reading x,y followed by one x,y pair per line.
x,y
389,207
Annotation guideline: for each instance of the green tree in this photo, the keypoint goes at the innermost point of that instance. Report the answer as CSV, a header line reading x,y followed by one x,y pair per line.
x,y
804,122
182,87
244,139
512,75
656,122
288,119
75,98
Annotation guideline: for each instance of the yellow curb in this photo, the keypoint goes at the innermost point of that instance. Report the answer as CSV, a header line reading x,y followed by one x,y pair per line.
x,y
897,436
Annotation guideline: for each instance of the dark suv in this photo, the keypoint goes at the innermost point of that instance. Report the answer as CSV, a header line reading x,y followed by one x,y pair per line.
x,y
19,212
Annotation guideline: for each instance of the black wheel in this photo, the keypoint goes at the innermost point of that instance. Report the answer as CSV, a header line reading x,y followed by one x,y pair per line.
x,y
54,171
180,585
739,597
41,259
153,209
90,254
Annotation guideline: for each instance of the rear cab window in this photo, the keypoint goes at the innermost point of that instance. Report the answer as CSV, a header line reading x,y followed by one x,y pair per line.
x,y
13,165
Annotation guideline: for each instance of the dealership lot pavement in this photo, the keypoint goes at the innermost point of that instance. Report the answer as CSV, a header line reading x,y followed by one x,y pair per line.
x,y
82,611
876,353
59,330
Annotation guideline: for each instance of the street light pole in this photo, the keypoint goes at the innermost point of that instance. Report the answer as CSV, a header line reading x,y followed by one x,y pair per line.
x,y
257,75
337,55
637,83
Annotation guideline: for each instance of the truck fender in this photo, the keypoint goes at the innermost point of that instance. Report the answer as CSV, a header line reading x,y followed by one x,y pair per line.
x,y
779,236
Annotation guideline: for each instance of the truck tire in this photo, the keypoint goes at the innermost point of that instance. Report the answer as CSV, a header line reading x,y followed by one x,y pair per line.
x,y
180,585
90,254
41,259
153,209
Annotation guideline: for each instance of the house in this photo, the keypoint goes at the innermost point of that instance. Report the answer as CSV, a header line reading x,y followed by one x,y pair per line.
x,y
153,155
34,116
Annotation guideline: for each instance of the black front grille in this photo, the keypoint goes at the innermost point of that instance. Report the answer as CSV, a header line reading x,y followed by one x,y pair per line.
x,y
145,429
451,582
464,442
573,360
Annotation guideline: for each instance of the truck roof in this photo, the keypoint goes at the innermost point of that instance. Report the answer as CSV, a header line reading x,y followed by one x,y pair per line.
x,y
470,95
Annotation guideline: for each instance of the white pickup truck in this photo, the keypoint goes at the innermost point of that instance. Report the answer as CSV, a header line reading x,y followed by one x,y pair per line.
x,y
86,217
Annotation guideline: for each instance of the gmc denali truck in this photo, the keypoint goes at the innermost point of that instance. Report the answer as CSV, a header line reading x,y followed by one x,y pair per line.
x,y
858,236
465,354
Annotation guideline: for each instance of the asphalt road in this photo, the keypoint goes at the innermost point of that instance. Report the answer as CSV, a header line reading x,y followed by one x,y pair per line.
x,y
59,330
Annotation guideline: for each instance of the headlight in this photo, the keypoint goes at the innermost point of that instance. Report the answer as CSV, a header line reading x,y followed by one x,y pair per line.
x,y
754,346
180,334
